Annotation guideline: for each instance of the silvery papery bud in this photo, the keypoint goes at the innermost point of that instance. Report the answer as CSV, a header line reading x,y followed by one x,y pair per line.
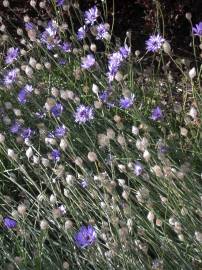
x,y
29,152
65,265
146,155
22,209
47,65
93,47
44,224
135,130
166,47
36,159
150,216
32,62
11,154
188,16
193,112
70,179
6,3
192,73
63,144
92,156
198,236
95,89
33,3
53,199
2,138
29,71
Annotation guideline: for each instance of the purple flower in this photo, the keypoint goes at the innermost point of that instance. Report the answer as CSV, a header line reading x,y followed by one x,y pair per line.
x,y
28,88
22,96
40,114
59,3
91,15
88,61
57,109
49,36
27,133
83,114
138,168
24,93
86,236
84,183
114,63
60,131
62,62
12,55
154,43
56,155
29,26
163,149
126,102
101,31
15,128
81,34
157,114
10,77
66,47
9,223
104,96
125,51
197,30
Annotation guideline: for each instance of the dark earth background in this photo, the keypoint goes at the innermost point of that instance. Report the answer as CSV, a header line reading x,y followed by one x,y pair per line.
x,y
138,16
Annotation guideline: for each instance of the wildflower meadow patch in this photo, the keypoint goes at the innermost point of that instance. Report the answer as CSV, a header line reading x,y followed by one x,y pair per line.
x,y
100,144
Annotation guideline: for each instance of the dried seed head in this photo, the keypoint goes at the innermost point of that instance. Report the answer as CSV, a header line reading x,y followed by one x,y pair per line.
x,y
44,224
103,140
150,216
2,138
78,161
56,213
183,131
68,224
70,179
188,16
65,265
22,209
92,156
166,47
157,171
110,133
121,140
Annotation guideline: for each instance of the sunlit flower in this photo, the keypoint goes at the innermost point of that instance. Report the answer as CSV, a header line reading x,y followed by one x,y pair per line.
x,y
57,109
157,114
81,34
197,30
12,55
56,155
10,77
88,61
101,31
86,236
154,43
126,102
83,114
91,15
9,223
